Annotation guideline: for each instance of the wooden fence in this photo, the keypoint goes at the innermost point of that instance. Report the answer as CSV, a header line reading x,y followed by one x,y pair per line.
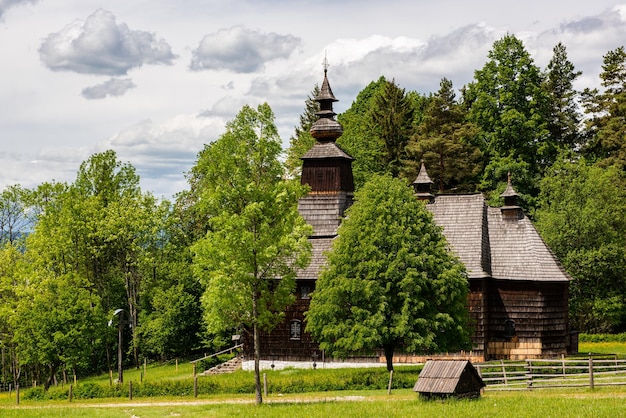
x,y
554,373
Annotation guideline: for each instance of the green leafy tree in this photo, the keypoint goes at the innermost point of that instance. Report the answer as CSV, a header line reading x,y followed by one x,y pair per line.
x,y
607,110
14,217
256,240
302,140
58,321
357,140
582,217
391,281
170,319
10,261
99,229
508,102
445,141
564,116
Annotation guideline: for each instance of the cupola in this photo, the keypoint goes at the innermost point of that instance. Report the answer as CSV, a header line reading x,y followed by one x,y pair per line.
x,y
511,209
423,185
326,168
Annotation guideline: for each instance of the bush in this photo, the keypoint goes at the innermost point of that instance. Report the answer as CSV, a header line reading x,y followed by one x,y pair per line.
x,y
279,381
602,338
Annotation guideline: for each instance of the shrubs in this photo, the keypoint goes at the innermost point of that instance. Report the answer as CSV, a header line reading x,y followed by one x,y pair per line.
x,y
279,381
602,338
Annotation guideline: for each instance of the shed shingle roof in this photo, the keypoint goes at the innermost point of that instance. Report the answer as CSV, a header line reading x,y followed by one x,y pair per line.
x,y
442,376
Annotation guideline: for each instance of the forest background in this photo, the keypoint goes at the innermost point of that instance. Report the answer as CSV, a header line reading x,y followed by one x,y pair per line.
x,y
74,253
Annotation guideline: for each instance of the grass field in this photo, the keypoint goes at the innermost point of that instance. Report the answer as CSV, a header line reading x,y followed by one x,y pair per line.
x,y
603,402
544,403
603,348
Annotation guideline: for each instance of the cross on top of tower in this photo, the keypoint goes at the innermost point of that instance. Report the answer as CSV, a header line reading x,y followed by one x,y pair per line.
x,y
325,63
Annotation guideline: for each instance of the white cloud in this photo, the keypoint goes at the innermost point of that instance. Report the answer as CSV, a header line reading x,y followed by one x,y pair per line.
x,y
241,50
111,87
100,45
6,4
163,152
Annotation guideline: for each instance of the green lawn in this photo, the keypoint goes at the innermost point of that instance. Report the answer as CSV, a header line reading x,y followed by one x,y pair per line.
x,y
603,348
602,402
576,402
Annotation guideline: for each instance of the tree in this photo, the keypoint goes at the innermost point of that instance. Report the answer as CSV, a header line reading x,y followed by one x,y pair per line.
x,y
607,110
302,140
14,219
99,229
391,121
357,139
507,101
445,141
256,240
10,262
57,321
582,218
391,281
564,116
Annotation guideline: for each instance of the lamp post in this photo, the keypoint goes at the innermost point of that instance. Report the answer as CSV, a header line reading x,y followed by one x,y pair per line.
x,y
120,333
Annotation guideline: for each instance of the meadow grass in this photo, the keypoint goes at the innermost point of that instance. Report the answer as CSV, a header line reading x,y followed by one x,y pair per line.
x,y
603,348
574,402
601,402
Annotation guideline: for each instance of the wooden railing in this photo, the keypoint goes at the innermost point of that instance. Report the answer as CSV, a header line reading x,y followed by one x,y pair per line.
x,y
228,350
553,373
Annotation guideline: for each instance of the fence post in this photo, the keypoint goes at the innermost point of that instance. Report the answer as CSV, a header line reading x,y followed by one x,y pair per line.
x,y
590,371
506,382
71,392
529,374
17,393
130,390
563,363
195,387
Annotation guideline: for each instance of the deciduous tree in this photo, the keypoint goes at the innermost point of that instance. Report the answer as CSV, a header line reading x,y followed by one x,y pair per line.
x,y
582,217
256,240
391,281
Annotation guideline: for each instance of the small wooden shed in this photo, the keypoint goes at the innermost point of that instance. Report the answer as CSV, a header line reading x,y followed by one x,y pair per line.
x,y
446,378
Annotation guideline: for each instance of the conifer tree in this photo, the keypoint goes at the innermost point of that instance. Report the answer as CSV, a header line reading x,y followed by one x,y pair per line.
x,y
445,141
302,141
606,129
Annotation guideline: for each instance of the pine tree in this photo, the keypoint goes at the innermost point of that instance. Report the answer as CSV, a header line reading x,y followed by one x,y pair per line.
x,y
302,141
606,129
445,141
392,120
564,116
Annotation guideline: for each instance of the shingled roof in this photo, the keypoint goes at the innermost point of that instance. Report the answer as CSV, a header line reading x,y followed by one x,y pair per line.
x,y
324,213
492,245
449,377
322,150
464,222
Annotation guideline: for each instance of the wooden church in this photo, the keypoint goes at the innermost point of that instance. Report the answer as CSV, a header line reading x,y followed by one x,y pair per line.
x,y
518,297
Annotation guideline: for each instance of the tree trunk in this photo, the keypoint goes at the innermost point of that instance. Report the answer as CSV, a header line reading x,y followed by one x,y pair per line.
x,y
257,352
389,348
53,371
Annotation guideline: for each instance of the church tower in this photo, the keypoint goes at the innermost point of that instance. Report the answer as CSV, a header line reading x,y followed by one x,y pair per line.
x,y
326,168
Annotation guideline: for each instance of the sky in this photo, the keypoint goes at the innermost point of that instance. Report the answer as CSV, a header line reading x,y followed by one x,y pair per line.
x,y
157,80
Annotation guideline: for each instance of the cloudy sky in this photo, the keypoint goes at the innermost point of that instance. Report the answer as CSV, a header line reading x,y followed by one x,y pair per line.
x,y
155,80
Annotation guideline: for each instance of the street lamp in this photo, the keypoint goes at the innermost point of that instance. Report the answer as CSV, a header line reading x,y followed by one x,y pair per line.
x,y
120,332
